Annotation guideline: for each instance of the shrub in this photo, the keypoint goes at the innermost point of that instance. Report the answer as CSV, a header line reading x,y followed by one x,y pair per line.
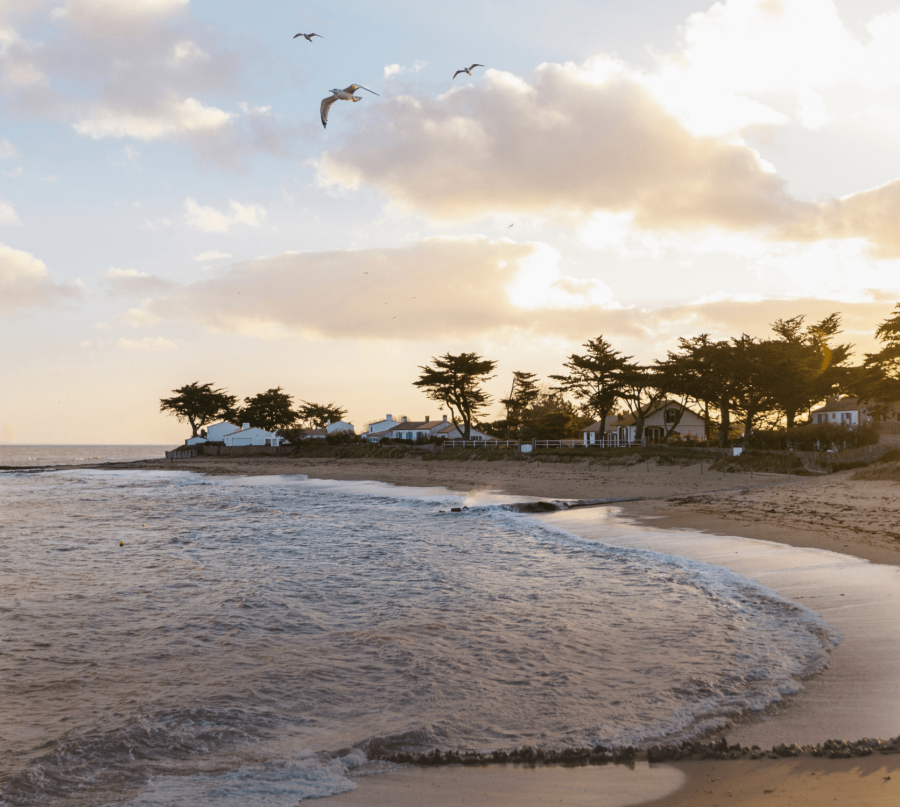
x,y
814,437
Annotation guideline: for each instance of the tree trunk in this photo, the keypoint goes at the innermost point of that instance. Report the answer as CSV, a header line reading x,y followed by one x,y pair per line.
x,y
725,425
790,418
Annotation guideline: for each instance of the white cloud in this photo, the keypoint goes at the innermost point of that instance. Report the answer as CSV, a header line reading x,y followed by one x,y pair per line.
x,y
210,220
103,14
148,343
8,214
188,51
392,70
137,318
212,255
168,119
26,283
7,150
132,283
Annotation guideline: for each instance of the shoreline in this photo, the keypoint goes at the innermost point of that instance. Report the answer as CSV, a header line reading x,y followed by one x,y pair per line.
x,y
834,513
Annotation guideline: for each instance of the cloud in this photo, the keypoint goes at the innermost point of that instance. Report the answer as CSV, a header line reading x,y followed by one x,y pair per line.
x,y
7,150
210,220
436,287
212,255
8,214
131,283
768,62
570,147
562,144
115,17
26,283
169,118
148,343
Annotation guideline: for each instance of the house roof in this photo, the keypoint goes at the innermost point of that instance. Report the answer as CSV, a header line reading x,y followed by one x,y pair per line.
x,y
417,425
251,429
840,405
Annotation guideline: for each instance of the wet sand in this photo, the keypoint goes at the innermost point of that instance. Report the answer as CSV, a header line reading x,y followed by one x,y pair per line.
x,y
867,782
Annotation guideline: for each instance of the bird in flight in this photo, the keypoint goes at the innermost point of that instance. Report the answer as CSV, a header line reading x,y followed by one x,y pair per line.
x,y
467,70
341,95
308,37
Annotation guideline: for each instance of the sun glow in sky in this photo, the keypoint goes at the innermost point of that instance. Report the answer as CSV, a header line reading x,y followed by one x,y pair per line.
x,y
172,210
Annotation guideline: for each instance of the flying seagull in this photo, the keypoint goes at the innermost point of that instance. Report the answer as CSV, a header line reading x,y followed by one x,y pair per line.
x,y
308,37
467,70
341,95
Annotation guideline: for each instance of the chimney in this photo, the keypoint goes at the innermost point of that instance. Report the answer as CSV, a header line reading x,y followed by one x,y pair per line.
x,y
389,417
403,418
445,418
427,418
245,427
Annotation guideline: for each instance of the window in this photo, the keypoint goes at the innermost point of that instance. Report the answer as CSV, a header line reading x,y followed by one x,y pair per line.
x,y
671,415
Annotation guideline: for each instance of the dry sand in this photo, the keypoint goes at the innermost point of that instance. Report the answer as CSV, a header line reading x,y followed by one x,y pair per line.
x,y
858,518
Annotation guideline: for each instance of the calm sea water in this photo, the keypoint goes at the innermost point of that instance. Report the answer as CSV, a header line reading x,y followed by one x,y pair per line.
x,y
252,637
32,456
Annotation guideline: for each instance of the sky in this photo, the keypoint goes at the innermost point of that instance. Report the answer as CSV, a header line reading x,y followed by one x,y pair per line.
x,y
172,210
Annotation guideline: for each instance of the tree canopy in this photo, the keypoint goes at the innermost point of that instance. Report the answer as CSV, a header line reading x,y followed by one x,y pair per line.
x,y
523,393
456,382
270,410
595,379
199,404
318,416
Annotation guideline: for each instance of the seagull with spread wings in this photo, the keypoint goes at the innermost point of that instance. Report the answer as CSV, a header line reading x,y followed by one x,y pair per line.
x,y
341,95
467,70
308,37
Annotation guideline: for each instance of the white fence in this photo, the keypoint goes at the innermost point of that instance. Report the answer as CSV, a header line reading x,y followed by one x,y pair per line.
x,y
611,441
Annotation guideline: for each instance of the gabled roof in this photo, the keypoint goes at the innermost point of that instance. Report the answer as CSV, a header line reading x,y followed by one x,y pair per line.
x,y
418,425
840,405
251,429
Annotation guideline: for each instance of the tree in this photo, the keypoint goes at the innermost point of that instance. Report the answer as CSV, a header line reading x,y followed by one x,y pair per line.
x,y
455,381
595,379
318,416
270,410
523,393
198,404
642,389
551,416
883,377
812,368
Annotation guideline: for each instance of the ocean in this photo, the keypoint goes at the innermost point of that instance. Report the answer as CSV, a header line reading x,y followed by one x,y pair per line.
x,y
169,638
32,456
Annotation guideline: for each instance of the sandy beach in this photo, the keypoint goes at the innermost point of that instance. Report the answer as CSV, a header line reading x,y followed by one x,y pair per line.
x,y
835,513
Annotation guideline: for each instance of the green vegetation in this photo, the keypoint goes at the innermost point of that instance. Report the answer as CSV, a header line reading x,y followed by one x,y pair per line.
x,y
199,404
456,382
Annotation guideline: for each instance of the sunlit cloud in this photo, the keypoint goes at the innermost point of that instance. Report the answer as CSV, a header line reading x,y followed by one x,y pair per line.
x,y
435,287
209,220
148,343
25,282
8,214
212,255
171,117
7,150
131,283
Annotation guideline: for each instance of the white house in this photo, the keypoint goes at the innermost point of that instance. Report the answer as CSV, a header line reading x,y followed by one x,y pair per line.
x,y
374,431
450,432
247,436
214,434
339,426
850,412
415,430
666,417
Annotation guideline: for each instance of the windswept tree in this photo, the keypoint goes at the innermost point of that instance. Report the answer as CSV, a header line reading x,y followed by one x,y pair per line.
x,y
456,382
812,367
643,388
523,393
199,404
883,377
595,379
270,410
318,416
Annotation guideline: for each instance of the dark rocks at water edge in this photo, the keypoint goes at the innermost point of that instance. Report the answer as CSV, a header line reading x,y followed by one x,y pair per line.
x,y
600,755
